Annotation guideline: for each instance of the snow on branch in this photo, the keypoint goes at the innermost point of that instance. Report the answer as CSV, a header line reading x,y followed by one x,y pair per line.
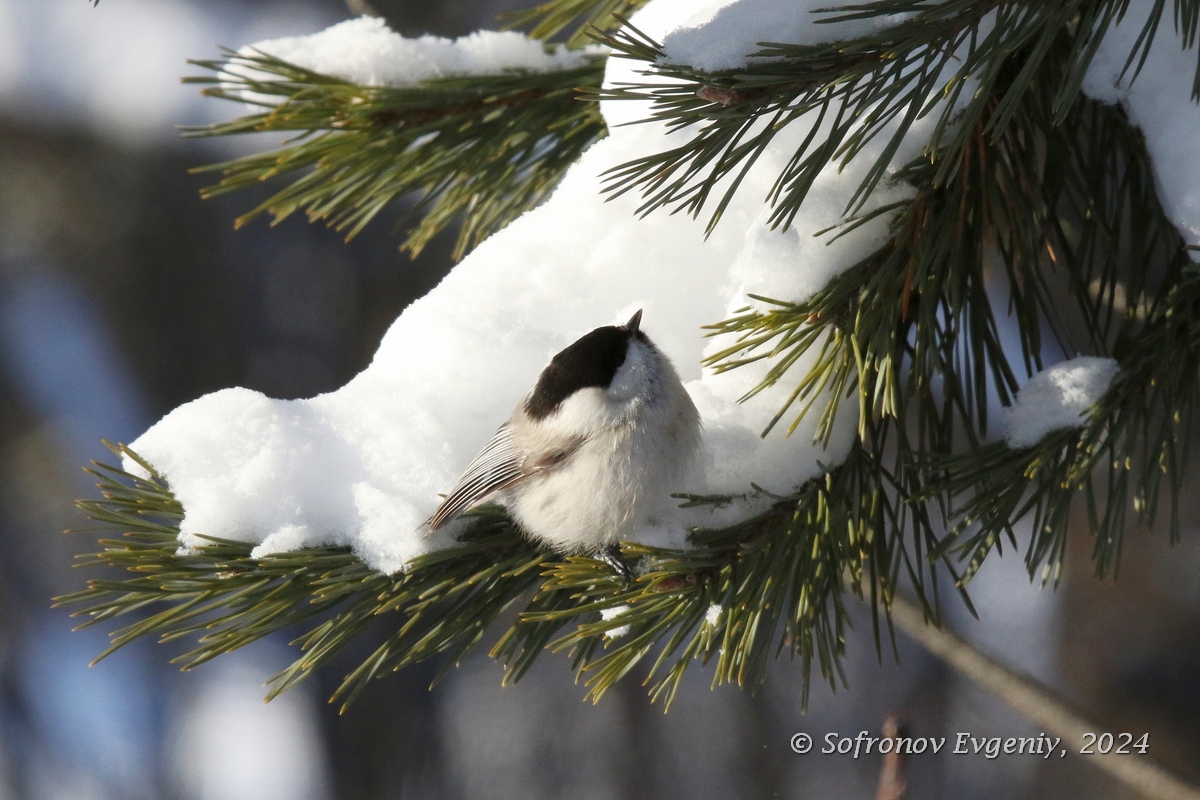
x,y
482,128
366,52
1057,398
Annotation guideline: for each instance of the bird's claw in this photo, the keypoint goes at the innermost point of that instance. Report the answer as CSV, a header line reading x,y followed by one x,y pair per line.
x,y
611,555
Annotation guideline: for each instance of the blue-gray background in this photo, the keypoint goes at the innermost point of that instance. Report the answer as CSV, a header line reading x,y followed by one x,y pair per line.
x,y
122,295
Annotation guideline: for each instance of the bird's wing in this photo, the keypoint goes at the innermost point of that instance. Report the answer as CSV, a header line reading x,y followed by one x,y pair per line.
x,y
497,467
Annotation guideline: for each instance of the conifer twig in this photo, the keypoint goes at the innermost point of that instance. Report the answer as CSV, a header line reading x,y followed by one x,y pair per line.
x,y
479,150
740,596
873,86
585,17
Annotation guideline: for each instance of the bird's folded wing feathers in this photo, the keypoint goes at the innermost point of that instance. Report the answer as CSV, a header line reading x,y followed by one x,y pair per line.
x,y
497,467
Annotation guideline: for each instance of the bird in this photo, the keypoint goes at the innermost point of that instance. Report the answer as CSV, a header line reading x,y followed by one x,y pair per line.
x,y
592,451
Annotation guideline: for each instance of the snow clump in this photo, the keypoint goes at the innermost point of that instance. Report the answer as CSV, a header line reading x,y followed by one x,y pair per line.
x,y
1057,398
365,51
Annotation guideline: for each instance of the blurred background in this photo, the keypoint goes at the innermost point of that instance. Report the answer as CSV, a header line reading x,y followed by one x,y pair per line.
x,y
123,295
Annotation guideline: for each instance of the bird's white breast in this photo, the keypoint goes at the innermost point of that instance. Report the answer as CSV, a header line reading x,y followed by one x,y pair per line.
x,y
641,437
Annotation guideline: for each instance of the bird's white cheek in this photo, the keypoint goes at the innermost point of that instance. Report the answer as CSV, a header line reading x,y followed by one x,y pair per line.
x,y
584,413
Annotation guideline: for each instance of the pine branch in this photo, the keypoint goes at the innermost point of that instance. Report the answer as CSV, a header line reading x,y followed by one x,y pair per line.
x,y
860,87
775,583
480,149
778,581
1069,216
225,598
1133,448
586,17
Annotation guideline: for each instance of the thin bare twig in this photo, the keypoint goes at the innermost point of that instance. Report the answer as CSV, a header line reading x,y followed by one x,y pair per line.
x,y
1039,704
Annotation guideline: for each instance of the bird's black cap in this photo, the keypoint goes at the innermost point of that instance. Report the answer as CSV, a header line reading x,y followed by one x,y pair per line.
x,y
592,360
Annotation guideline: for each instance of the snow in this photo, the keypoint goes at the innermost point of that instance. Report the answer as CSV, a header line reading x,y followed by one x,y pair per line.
x,y
364,50
728,39
1057,398
363,466
1159,103
610,614
713,615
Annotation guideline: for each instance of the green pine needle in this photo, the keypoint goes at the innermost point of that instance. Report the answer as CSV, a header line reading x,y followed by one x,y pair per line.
x,y
779,578
547,20
477,150
858,88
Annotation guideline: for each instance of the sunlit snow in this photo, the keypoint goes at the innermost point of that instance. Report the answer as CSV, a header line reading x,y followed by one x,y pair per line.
x,y
363,466
1159,102
364,50
1057,398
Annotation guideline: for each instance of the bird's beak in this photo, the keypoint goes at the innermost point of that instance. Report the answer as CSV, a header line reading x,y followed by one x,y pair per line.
x,y
634,322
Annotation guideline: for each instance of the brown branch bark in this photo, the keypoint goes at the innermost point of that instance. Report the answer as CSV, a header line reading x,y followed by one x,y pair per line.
x,y
1038,704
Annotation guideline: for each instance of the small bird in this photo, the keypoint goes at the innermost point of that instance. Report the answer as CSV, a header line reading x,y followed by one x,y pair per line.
x,y
593,450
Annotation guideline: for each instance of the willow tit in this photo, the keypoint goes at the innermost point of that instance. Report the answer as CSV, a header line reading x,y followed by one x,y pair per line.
x,y
593,451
